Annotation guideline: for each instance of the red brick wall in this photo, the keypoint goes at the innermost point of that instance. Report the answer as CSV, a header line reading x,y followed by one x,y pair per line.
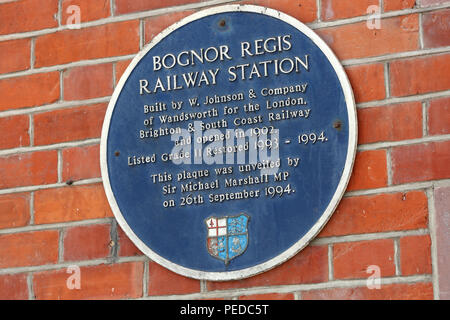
x,y
55,84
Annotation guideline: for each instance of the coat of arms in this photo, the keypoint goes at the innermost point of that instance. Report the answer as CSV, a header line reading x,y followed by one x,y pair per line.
x,y
227,236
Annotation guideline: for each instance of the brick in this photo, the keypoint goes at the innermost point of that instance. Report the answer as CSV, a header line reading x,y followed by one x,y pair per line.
x,y
40,88
393,5
415,291
14,210
351,260
420,75
378,213
81,163
14,132
367,82
390,123
369,171
442,244
439,116
15,55
87,43
120,68
87,82
71,204
340,9
13,287
28,15
28,249
128,6
165,282
70,124
126,246
106,282
421,162
303,10
28,169
428,3
268,296
436,28
309,266
154,25
350,41
415,255
90,10
87,242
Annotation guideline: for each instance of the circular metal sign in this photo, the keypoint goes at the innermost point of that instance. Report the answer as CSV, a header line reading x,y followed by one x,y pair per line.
x,y
228,142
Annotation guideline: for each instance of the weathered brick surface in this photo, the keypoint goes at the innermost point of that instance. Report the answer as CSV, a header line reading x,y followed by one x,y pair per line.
x,y
106,282
352,259
71,204
88,82
87,242
14,132
165,282
13,287
70,124
436,28
15,55
340,9
81,163
439,116
41,88
14,210
397,34
379,213
390,123
36,248
87,43
89,10
415,255
40,166
421,162
28,15
420,75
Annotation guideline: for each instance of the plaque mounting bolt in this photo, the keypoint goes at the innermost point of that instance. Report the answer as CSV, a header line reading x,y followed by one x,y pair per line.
x,y
337,125
117,153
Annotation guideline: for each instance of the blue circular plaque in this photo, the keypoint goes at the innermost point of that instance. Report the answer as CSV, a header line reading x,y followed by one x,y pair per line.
x,y
228,142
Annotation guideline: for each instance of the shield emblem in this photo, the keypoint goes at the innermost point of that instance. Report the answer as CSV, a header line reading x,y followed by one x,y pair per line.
x,y
227,236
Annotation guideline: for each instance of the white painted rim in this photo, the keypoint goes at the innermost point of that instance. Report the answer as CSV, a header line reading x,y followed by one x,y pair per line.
x,y
303,242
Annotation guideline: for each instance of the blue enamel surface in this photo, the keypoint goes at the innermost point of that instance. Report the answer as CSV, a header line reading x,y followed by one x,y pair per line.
x,y
179,234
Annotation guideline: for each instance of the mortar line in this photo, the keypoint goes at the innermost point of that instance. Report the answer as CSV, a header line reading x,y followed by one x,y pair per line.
x,y
330,262
145,278
31,222
387,82
425,108
421,44
319,10
389,166
62,232
31,129
397,256
60,166
30,287
390,144
112,7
